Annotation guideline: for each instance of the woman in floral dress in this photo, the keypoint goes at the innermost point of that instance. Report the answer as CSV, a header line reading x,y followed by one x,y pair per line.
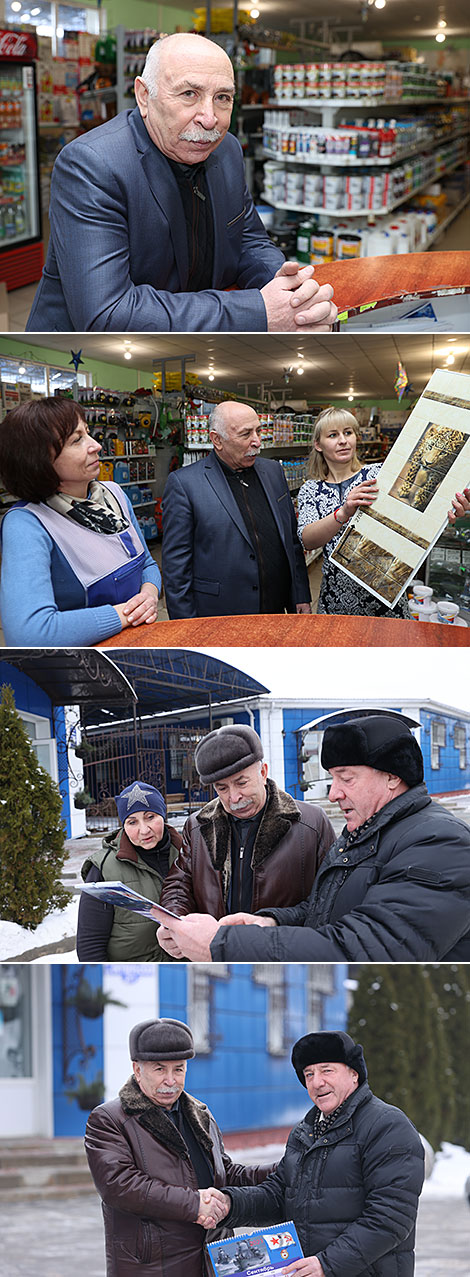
x,y
338,486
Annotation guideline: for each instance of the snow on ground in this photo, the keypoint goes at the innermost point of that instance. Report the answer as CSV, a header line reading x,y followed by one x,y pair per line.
x,y
450,1171
59,924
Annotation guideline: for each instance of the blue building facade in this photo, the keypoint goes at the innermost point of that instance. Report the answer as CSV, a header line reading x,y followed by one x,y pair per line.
x,y
245,1019
443,734
44,724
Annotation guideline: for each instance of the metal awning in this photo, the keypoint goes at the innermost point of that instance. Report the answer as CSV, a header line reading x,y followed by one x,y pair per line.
x,y
157,680
73,676
167,679
339,716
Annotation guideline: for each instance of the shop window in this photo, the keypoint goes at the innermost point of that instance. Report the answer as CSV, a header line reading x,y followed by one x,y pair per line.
x,y
39,732
460,743
438,740
23,379
15,1021
320,984
310,769
273,979
200,1003
53,19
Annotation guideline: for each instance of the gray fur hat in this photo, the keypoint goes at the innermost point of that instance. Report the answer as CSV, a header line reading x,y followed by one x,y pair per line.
x,y
226,751
161,1040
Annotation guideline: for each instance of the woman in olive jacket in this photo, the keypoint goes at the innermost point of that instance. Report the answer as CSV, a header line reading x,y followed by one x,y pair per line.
x,y
139,854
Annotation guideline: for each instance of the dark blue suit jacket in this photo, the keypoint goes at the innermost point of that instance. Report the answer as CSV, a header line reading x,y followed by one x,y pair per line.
x,y
209,565
118,258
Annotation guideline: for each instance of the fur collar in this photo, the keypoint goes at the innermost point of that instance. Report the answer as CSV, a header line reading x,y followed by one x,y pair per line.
x,y
156,1121
280,813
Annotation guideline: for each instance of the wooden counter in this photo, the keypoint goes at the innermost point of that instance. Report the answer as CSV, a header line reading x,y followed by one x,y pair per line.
x,y
373,282
291,631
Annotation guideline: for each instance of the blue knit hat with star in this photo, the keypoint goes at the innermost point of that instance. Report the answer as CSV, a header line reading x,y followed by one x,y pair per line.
x,y
139,797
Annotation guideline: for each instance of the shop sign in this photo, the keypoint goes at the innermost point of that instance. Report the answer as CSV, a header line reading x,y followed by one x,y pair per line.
x,y
20,46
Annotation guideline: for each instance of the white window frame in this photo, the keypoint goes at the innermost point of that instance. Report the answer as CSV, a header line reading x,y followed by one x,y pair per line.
x,y
43,738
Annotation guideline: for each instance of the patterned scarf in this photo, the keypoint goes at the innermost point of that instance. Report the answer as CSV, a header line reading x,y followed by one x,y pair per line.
x,y
321,1121
100,511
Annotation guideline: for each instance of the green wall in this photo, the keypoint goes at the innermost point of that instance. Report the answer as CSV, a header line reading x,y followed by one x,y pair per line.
x,y
145,13
116,376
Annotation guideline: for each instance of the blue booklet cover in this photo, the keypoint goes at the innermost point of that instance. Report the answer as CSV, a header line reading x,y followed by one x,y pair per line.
x,y
266,1251
116,893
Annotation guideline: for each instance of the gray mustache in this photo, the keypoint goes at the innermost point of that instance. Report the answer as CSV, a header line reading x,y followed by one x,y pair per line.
x,y
200,135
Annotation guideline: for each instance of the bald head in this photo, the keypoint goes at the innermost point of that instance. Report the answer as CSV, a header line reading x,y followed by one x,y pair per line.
x,y
185,96
235,432
168,53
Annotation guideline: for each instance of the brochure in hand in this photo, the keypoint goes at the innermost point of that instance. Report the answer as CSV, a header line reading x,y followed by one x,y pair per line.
x,y
116,893
264,1252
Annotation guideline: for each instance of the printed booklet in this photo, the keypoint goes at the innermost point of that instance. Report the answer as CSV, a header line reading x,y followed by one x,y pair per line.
x,y
266,1251
116,893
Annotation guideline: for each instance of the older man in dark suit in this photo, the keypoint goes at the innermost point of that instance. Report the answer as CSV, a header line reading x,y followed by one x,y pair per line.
x,y
230,544
151,219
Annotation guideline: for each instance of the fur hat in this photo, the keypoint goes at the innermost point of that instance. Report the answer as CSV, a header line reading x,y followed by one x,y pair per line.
x,y
378,741
139,797
226,751
328,1048
161,1040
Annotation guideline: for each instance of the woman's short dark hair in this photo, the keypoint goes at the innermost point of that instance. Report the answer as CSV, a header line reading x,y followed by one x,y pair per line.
x,y
31,437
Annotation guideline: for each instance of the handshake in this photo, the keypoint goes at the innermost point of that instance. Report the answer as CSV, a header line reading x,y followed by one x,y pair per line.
x,y
213,1207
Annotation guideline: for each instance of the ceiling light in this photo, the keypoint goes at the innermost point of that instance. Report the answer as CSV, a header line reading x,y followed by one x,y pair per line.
x,y
450,359
442,23
350,398
127,354
211,376
380,4
300,354
254,13
440,37
21,370
34,12
300,371
16,6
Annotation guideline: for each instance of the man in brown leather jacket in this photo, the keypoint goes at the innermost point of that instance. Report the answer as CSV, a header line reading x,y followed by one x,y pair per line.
x,y
253,846
157,1158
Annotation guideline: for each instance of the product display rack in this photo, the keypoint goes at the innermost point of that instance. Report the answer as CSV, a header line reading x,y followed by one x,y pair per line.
x,y
445,161
117,415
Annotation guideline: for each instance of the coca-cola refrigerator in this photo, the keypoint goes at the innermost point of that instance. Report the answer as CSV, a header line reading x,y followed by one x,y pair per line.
x,y
21,249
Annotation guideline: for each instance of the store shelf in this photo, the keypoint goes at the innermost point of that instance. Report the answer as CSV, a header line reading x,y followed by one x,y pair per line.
x,y
363,212
447,221
105,95
319,104
351,161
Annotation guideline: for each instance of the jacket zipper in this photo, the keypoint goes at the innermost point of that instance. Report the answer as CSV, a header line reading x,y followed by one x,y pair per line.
x,y
240,875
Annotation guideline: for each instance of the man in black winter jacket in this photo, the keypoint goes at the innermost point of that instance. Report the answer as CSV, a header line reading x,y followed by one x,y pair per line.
x,y
351,1174
394,887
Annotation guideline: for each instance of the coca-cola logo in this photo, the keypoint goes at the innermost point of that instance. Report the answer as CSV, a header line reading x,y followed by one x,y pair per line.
x,y
17,44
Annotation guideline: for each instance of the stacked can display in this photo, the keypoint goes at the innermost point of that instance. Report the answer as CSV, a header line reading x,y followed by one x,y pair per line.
x,y
395,81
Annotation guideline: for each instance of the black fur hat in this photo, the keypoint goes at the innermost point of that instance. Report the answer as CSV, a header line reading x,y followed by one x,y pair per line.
x,y
378,741
328,1048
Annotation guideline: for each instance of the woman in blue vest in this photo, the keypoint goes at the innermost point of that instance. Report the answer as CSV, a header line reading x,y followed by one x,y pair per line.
x,y
139,854
75,567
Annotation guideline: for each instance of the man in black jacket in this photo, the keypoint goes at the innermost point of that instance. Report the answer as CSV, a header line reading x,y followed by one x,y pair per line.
x,y
351,1174
394,887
